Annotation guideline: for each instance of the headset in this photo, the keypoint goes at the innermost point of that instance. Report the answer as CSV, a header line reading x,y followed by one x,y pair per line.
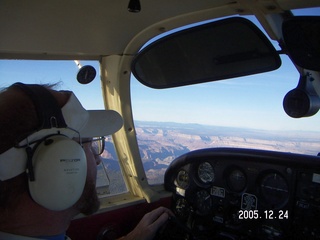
x,y
56,164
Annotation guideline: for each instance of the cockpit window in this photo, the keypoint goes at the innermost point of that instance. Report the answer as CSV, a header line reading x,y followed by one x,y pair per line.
x,y
244,112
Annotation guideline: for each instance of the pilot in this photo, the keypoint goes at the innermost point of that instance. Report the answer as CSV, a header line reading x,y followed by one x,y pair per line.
x,y
48,159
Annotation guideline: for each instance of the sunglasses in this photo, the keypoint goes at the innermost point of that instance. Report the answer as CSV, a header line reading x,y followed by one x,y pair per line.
x,y
97,144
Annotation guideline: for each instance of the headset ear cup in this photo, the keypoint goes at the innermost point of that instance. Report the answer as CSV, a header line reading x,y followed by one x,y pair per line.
x,y
60,170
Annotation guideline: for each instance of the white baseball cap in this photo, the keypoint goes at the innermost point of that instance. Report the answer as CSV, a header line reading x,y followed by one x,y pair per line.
x,y
81,123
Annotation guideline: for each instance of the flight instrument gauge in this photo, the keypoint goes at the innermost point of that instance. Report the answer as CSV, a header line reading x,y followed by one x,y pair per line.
x,y
203,202
206,172
274,190
182,179
237,180
182,208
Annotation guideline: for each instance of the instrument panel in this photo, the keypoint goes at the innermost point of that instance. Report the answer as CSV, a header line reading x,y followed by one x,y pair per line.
x,y
227,193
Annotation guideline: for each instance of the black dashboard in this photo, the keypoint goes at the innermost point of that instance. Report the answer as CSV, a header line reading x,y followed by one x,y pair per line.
x,y
230,193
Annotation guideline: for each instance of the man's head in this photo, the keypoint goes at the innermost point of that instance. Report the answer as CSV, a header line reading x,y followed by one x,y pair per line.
x,y
40,133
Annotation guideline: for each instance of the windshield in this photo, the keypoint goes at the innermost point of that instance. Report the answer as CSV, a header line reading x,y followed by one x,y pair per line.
x,y
245,112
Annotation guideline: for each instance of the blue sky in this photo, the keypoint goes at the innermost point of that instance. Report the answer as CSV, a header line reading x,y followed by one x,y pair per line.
x,y
218,103
53,72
